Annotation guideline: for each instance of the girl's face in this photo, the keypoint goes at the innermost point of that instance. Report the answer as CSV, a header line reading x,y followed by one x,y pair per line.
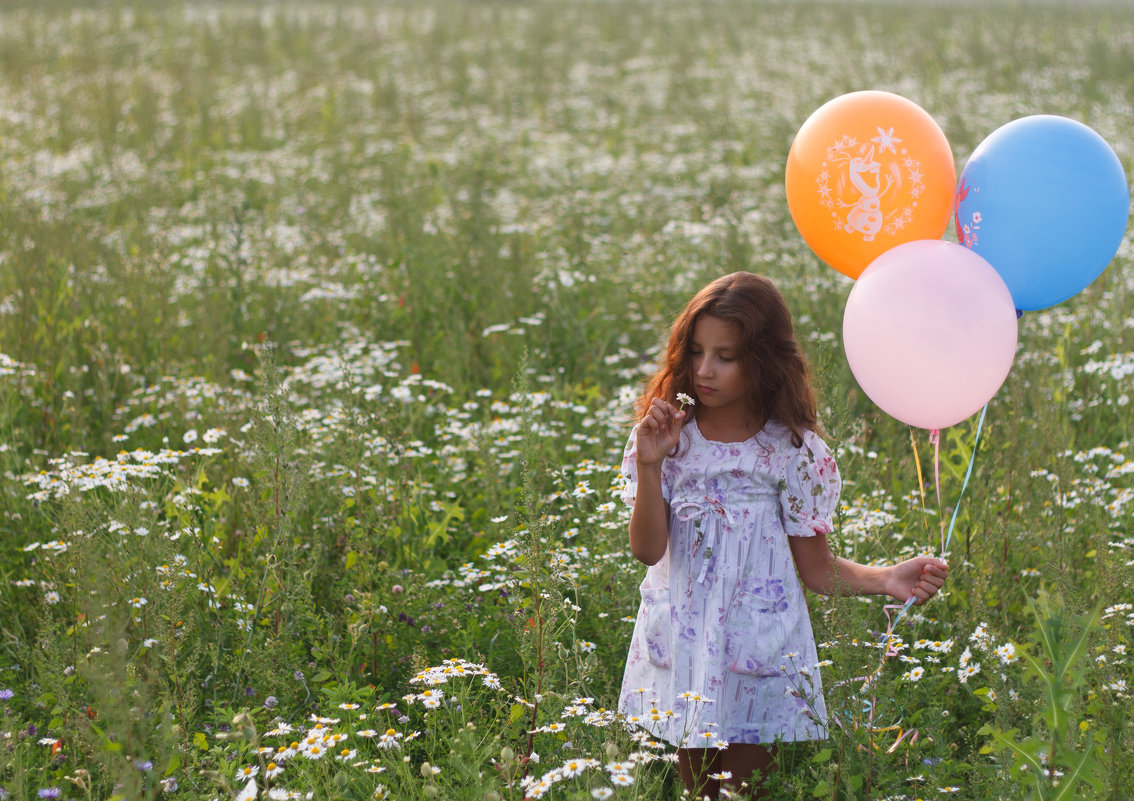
x,y
719,378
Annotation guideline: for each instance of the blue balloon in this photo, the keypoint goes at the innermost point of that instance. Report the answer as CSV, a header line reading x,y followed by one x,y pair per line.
x,y
1045,201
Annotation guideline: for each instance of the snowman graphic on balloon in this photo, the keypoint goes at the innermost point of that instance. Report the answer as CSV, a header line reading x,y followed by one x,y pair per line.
x,y
865,174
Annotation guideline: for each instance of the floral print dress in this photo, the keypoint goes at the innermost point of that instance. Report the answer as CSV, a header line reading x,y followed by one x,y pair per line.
x,y
722,648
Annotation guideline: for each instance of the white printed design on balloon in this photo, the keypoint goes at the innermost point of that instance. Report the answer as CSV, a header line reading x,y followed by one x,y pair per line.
x,y
857,176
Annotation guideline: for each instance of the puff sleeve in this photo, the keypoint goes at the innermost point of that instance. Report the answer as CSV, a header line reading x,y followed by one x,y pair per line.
x,y
810,489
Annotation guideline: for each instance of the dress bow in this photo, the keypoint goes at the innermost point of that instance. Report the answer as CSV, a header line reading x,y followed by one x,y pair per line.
x,y
708,515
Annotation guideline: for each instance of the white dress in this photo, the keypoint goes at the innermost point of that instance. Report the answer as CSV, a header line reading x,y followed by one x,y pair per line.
x,y
723,648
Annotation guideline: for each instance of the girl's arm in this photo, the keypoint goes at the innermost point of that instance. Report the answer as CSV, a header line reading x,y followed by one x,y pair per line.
x,y
656,435
824,573
649,520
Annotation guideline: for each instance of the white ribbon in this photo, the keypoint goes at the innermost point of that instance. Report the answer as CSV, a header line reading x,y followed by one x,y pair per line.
x,y
708,514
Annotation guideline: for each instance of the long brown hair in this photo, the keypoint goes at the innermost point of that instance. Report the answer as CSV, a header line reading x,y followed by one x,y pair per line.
x,y
779,381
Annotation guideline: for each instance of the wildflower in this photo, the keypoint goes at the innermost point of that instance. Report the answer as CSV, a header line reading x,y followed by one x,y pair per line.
x,y
6,694
722,776
684,400
51,597
247,772
48,792
914,675
346,754
389,739
1006,653
622,779
602,792
249,792
572,767
273,770
138,602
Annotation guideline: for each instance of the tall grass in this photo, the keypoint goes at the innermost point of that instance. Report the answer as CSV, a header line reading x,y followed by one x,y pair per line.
x,y
320,324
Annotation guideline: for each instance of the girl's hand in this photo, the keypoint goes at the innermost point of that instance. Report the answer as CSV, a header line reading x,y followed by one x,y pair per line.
x,y
918,578
658,431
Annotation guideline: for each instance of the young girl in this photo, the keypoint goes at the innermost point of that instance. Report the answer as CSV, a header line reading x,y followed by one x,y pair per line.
x,y
732,498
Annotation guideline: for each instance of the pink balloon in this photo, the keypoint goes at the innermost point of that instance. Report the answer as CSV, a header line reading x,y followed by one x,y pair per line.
x,y
930,332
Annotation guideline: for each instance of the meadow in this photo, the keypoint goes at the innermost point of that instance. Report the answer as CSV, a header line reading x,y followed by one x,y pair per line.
x,y
321,325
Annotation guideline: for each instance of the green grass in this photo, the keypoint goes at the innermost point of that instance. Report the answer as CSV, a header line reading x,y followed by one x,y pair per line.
x,y
397,271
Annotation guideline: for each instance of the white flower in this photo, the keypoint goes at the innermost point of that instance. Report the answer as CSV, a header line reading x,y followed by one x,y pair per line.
x,y
685,400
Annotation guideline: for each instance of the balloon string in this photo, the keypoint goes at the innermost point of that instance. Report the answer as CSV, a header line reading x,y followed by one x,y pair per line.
x,y
920,479
935,440
891,623
965,483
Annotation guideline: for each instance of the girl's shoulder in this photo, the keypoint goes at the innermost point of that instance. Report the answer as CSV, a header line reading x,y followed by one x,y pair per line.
x,y
779,436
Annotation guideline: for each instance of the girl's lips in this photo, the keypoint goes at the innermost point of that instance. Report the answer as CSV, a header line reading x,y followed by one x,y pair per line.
x,y
705,390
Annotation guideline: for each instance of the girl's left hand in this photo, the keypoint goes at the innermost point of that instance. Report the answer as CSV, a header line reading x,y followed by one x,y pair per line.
x,y
919,578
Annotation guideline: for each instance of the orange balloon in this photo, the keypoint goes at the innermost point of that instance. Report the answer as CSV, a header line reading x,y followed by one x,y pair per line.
x,y
868,171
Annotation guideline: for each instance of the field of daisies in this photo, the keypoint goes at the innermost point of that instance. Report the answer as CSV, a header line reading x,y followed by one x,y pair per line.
x,y
320,329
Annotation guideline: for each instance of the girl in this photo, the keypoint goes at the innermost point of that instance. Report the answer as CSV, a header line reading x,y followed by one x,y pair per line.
x,y
732,499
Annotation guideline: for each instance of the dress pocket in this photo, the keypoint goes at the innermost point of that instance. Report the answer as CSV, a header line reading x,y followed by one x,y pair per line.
x,y
756,629
657,628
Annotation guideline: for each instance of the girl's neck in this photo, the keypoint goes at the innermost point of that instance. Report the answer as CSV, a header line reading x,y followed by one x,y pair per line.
x,y
721,426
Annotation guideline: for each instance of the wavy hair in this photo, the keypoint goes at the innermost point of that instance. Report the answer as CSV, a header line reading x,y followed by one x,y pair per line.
x,y
779,380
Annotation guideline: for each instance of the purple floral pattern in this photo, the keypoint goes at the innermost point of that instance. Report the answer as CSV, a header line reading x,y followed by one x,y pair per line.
x,y
723,628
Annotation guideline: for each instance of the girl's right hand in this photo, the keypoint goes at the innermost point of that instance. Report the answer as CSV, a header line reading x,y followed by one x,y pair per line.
x,y
658,431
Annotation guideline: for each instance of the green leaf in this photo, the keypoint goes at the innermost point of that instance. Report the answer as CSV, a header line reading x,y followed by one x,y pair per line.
x,y
821,789
201,741
1077,648
1083,770
822,756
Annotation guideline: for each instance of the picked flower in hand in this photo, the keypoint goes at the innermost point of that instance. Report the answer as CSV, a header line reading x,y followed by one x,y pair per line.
x,y
684,400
